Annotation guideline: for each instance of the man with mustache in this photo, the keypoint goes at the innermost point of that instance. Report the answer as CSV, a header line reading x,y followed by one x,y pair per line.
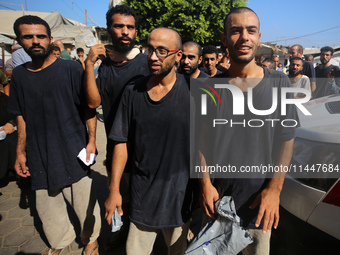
x,y
47,97
325,83
256,198
123,64
153,119
191,59
297,79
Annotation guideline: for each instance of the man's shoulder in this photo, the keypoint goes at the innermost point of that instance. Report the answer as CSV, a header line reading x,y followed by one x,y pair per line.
x,y
307,64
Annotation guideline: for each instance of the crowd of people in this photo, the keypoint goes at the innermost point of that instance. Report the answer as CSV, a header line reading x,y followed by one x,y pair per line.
x,y
148,111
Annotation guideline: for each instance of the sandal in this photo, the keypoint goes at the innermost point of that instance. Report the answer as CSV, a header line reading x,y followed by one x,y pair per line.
x,y
95,248
53,251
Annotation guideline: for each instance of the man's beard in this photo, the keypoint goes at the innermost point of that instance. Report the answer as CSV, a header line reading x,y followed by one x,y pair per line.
x,y
324,61
39,55
123,47
293,74
190,71
164,70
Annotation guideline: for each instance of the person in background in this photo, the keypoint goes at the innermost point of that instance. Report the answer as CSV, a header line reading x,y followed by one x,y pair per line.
x,y
81,57
210,55
296,77
268,63
63,53
55,51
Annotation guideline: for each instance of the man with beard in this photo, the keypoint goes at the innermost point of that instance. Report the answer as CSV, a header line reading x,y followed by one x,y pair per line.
x,y
308,69
297,79
191,58
153,117
325,83
256,198
46,94
123,64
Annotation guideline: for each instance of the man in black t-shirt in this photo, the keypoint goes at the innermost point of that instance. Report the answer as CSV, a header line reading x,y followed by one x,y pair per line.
x,y
47,95
153,120
123,64
256,198
326,84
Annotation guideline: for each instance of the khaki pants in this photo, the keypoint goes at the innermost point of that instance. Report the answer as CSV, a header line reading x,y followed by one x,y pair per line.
x,y
51,207
261,243
141,239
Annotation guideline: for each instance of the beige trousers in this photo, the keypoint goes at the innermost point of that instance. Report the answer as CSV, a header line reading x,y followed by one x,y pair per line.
x,y
51,207
141,239
260,244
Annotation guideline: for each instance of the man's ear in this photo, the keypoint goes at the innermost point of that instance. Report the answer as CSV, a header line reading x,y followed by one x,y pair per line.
x,y
51,40
200,60
17,39
224,40
178,56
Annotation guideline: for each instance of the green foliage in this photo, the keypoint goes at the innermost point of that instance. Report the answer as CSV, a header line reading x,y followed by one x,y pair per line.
x,y
197,20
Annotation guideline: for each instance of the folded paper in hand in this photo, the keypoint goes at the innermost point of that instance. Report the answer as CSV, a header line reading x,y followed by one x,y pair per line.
x,y
82,157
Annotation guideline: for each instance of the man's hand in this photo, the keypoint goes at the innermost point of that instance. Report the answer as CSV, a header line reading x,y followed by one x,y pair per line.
x,y
94,53
90,148
269,201
209,196
8,127
113,201
20,165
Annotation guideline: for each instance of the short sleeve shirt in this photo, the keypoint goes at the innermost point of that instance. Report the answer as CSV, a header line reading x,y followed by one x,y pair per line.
x,y
52,104
158,135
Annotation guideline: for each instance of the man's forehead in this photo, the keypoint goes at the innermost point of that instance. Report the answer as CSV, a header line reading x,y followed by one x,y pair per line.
x,y
32,28
162,38
243,19
190,50
119,18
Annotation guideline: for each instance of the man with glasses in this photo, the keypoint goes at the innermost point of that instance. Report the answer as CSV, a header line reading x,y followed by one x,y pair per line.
x,y
153,121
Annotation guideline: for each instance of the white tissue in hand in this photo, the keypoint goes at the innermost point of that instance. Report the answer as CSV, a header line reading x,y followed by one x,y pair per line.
x,y
82,157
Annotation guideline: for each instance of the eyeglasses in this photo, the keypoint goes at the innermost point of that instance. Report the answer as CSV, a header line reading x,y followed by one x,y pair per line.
x,y
160,52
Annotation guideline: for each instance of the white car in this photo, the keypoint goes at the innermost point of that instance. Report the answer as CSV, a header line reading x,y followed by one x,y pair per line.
x,y
312,193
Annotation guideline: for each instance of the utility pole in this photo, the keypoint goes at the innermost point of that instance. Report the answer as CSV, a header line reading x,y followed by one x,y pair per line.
x,y
86,16
26,5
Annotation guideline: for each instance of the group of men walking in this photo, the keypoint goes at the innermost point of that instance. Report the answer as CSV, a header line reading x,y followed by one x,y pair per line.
x,y
146,106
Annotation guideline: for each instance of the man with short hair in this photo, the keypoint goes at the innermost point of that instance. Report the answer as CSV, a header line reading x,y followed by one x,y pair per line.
x,y
55,51
81,57
210,60
268,63
325,83
256,198
308,69
191,59
153,117
46,94
298,79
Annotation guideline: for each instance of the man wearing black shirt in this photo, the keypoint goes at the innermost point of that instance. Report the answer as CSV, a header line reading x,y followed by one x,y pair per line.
x,y
46,94
325,81
153,119
123,64
256,199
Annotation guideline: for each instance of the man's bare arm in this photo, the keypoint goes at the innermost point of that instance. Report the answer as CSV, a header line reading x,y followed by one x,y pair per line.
x,y
91,89
20,162
91,122
269,198
114,200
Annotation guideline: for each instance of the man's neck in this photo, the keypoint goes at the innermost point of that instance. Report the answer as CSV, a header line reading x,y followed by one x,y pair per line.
x,y
159,86
212,72
195,74
122,57
39,64
295,79
249,70
323,66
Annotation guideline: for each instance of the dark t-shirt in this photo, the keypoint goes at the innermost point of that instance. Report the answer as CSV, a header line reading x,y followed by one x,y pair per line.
x,y
323,88
158,133
51,102
111,81
242,145
308,70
